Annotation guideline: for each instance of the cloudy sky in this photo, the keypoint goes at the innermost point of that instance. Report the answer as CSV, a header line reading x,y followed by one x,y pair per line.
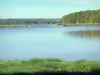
x,y
44,8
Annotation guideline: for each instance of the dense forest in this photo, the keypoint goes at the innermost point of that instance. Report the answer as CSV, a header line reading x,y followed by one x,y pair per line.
x,y
89,16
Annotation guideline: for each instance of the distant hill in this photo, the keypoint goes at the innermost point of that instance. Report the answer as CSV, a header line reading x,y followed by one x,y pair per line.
x,y
89,16
29,21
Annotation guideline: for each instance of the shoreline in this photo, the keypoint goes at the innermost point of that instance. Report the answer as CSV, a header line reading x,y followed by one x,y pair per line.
x,y
80,24
53,25
15,26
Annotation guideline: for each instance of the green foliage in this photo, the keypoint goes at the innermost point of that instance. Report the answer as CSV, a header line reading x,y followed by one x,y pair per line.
x,y
82,17
37,60
48,65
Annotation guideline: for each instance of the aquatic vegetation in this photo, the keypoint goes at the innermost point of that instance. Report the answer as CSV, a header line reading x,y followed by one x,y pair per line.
x,y
48,65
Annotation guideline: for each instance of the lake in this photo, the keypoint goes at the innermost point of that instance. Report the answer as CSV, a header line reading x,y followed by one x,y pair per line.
x,y
66,43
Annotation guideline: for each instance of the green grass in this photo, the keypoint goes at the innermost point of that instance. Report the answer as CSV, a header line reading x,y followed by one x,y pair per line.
x,y
47,65
54,25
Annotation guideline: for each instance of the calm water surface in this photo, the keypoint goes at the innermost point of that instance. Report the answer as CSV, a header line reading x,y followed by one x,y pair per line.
x,y
50,42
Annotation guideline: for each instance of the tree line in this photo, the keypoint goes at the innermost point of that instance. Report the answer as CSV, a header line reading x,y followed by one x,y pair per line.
x,y
28,21
89,16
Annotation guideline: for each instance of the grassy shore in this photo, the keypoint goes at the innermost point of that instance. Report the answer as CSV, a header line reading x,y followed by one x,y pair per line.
x,y
48,65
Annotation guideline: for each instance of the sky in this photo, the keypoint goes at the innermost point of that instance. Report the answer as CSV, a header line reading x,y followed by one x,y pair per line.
x,y
44,8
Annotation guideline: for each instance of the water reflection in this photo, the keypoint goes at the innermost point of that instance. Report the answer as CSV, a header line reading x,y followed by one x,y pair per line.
x,y
27,43
84,33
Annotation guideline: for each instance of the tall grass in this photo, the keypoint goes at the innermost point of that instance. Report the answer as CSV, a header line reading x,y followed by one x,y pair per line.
x,y
48,65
